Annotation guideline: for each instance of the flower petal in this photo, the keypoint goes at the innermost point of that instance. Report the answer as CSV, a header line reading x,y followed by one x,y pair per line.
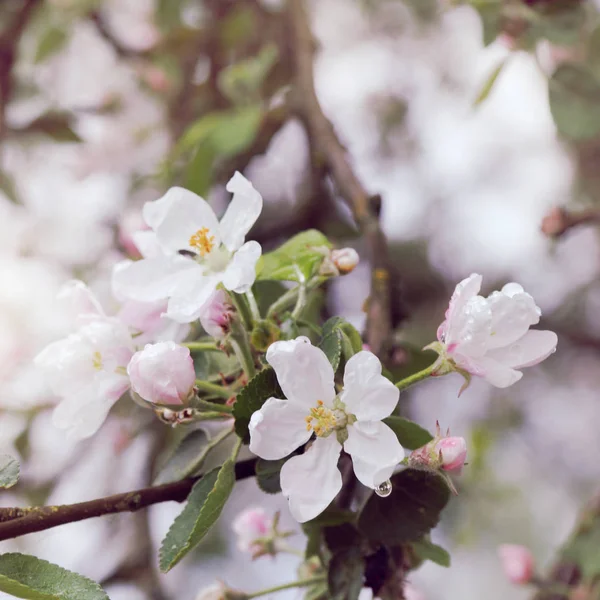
x,y
277,429
513,312
311,481
242,212
367,393
499,375
375,451
531,349
78,297
303,372
191,295
147,243
463,292
187,213
150,279
469,333
241,271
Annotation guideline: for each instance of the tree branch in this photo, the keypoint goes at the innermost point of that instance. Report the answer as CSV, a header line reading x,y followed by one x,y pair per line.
x,y
328,151
47,517
104,30
559,220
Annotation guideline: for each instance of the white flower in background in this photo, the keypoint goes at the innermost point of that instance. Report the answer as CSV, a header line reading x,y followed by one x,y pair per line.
x,y
250,526
216,318
216,591
517,563
490,337
87,368
351,420
196,251
163,373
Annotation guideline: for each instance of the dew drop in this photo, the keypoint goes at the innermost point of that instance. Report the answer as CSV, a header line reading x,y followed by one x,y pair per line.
x,y
384,489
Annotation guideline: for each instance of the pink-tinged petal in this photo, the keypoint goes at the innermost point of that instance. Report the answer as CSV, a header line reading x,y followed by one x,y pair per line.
x,y
375,451
242,212
150,279
303,372
469,332
312,480
496,373
191,295
186,215
454,453
464,291
81,302
517,563
277,429
534,347
513,312
367,393
240,273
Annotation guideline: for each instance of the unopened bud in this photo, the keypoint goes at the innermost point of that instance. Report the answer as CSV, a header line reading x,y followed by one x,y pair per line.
x,y
517,563
264,334
345,259
556,222
216,317
258,533
453,451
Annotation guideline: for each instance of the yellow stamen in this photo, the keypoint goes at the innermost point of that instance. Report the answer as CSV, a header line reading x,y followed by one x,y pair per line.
x,y
203,242
97,360
321,420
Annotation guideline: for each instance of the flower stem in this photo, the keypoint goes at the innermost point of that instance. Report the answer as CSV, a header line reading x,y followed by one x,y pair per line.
x,y
241,305
301,302
213,406
253,305
416,377
213,388
201,346
287,586
241,346
285,301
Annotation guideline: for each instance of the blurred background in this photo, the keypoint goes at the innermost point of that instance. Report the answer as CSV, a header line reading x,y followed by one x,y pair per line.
x,y
473,122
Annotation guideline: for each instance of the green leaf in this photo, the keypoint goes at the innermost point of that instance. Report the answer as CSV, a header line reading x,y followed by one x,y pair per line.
x,y
186,459
561,24
267,474
31,578
9,471
490,12
56,125
488,86
409,512
260,388
50,42
427,550
409,434
8,187
332,347
203,508
574,92
299,257
345,574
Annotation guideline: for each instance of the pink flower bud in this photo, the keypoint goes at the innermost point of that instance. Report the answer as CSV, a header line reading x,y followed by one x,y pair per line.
x,y
249,525
345,259
454,453
216,317
517,563
162,373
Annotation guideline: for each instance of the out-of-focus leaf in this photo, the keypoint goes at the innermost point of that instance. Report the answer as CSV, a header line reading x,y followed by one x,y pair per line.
x,y
261,387
168,13
345,574
203,508
409,512
50,42
186,459
332,347
409,434
561,23
490,12
574,92
28,577
7,186
299,257
9,471
239,25
488,86
267,474
57,125
427,550
198,172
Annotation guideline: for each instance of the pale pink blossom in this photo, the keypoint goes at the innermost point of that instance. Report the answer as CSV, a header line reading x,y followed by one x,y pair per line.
x,y
517,563
216,318
250,525
490,337
162,373
453,451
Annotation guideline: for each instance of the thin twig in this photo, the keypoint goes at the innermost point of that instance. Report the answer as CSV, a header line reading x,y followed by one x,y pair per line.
x,y
104,30
329,151
559,220
47,517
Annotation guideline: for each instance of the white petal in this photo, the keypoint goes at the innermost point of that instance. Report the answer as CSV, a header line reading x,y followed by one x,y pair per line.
x,y
150,279
311,481
191,295
277,429
241,271
147,243
531,349
367,393
242,212
303,371
464,291
375,451
499,375
512,315
187,213
80,300
469,333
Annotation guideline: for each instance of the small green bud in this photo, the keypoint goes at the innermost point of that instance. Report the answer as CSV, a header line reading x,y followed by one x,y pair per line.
x,y
265,332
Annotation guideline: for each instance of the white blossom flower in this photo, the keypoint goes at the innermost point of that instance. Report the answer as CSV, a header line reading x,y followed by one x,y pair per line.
x,y
350,420
162,373
87,368
490,337
197,253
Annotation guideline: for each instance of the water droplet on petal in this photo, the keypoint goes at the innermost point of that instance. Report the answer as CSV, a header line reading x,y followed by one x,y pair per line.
x,y
384,489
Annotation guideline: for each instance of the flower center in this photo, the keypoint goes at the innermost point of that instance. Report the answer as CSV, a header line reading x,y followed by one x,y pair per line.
x,y
323,420
97,360
202,242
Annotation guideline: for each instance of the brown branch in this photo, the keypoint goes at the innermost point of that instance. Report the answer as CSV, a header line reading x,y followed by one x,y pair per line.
x,y
9,40
559,220
328,151
104,30
47,517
